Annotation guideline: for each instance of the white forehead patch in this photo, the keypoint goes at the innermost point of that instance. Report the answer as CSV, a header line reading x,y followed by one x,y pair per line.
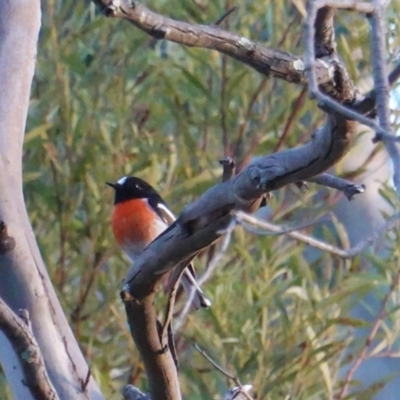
x,y
122,180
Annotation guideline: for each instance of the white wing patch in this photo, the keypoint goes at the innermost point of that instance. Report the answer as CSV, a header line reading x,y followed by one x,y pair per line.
x,y
166,213
122,180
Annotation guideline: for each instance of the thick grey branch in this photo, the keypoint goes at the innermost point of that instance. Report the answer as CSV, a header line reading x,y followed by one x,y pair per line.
x,y
25,346
264,60
200,223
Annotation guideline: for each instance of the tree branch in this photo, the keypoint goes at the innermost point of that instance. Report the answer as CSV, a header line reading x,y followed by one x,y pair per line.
x,y
204,221
317,10
348,188
208,273
264,227
325,44
25,346
379,53
199,224
234,392
264,60
158,360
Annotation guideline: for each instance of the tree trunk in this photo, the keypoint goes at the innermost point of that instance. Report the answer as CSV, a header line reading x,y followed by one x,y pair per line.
x,y
24,282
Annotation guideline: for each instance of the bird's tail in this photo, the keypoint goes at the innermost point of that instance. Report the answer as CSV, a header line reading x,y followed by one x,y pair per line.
x,y
189,283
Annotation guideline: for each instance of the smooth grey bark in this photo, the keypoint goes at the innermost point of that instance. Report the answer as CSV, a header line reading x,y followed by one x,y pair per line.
x,y
24,282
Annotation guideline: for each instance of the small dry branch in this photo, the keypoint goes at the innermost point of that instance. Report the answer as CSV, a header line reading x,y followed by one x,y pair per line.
x,y
18,332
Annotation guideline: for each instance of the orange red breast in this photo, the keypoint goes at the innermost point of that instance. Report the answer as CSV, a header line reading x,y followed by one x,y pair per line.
x,y
134,226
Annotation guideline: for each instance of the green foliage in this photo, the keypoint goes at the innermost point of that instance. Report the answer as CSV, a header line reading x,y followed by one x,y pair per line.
x,y
107,101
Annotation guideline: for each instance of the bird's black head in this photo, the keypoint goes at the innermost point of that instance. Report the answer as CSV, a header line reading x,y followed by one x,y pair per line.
x,y
131,187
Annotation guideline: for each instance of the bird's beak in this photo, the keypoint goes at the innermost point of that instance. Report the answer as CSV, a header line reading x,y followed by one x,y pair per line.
x,y
115,186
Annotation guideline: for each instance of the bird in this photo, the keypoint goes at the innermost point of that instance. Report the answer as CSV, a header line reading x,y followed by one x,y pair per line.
x,y
140,215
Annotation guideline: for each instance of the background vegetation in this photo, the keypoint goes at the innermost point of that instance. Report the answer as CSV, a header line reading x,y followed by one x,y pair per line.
x,y
107,101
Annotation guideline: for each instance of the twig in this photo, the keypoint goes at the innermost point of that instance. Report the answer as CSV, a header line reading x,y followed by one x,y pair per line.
x,y
228,171
224,16
169,311
228,168
244,125
289,123
208,273
218,367
389,353
76,315
378,45
349,189
224,79
280,230
234,378
225,137
263,226
249,153
18,332
374,330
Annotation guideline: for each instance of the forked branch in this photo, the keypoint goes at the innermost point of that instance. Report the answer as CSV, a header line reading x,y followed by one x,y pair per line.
x,y
204,221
